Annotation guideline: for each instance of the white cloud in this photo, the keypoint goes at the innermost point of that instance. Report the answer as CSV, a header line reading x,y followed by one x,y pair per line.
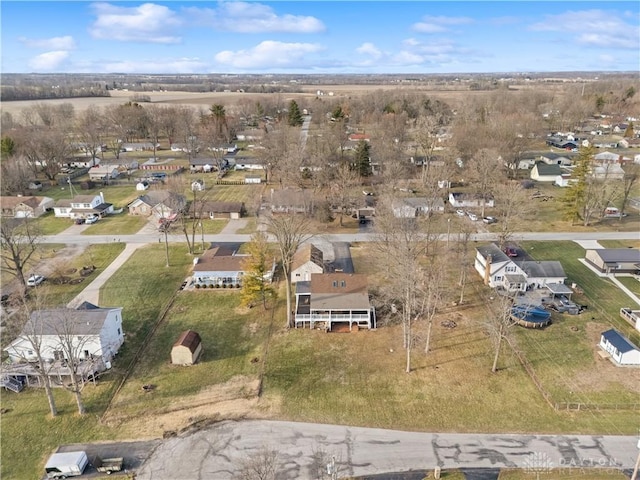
x,y
370,49
595,28
439,24
145,23
48,61
248,17
268,54
175,66
54,43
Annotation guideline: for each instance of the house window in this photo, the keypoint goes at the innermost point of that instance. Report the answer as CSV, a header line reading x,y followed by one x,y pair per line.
x,y
343,284
30,353
86,205
86,354
511,268
335,283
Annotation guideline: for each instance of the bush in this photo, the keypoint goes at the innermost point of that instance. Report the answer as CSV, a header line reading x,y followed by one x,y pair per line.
x,y
224,285
198,285
211,285
237,285
217,285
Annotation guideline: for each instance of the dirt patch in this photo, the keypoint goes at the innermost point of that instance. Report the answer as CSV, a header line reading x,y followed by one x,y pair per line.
x,y
234,399
604,373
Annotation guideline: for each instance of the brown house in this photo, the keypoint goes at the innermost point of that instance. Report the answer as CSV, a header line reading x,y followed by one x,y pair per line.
x,y
187,348
22,207
204,209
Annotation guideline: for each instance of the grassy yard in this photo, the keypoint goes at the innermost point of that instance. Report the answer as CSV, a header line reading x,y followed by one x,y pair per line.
x,y
576,473
49,224
631,283
119,224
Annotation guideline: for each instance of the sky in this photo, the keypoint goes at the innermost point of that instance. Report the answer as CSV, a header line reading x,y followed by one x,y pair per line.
x,y
318,37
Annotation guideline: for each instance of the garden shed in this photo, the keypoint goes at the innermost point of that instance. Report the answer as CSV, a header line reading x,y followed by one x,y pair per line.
x,y
187,348
620,349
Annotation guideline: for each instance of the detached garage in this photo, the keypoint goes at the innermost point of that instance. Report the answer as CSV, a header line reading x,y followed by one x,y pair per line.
x,y
187,348
621,350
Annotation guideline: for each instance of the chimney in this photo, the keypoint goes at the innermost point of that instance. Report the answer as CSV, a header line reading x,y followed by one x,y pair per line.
x,y
101,197
487,270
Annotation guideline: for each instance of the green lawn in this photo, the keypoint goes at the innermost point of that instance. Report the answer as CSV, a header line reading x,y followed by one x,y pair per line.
x,y
49,224
576,473
631,283
118,224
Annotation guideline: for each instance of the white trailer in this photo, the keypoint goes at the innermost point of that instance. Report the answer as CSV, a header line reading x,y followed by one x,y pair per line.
x,y
66,464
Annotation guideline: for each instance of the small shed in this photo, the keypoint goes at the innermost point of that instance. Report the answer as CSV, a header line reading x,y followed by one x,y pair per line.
x,y
187,348
621,350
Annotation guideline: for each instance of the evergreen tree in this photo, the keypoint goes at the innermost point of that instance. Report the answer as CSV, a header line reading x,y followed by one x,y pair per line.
x,y
295,116
576,196
255,287
362,162
8,147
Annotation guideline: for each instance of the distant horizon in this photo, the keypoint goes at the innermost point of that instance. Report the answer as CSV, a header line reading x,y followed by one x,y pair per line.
x,y
191,37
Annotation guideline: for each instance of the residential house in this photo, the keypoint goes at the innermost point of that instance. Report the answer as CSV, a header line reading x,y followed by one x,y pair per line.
x,y
470,200
214,210
103,172
330,300
251,135
289,200
82,206
558,141
160,203
608,171
307,260
138,147
614,260
500,271
207,165
91,335
563,160
247,163
187,349
620,349
23,207
218,267
411,207
82,162
603,141
544,172
609,157
564,180
631,316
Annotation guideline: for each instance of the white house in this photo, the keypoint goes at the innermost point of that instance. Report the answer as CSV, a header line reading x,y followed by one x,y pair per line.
x,y
500,271
544,172
82,206
141,186
465,200
103,172
94,333
411,207
564,180
307,260
619,348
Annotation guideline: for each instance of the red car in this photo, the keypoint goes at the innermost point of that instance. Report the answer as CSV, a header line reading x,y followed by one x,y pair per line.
x,y
511,252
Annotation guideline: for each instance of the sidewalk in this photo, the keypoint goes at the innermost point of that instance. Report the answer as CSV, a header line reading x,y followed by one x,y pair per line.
x,y
91,293
234,225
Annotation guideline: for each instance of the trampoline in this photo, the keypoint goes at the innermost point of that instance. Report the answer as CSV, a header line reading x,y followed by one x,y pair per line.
x,y
530,316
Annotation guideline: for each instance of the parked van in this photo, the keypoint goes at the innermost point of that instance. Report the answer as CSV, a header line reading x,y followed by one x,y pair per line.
x,y
67,464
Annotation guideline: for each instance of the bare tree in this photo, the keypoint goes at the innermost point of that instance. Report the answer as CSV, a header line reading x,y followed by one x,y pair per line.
x,y
513,208
19,241
435,272
343,187
15,174
402,248
289,232
31,337
260,465
90,129
632,172
498,323
483,169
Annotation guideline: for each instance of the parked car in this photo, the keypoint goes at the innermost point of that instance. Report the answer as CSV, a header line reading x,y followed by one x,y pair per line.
x,y
489,220
511,251
35,280
79,221
93,219
472,216
460,213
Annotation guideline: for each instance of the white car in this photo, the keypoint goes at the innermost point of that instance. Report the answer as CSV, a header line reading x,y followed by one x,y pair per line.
x,y
35,280
93,219
473,216
460,213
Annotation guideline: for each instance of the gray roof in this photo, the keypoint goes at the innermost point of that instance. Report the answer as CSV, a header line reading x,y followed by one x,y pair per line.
x,y
559,288
613,255
547,268
345,301
548,169
303,287
619,341
66,321
492,249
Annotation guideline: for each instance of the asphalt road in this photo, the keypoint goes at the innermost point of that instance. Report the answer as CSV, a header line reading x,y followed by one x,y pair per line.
x,y
218,452
355,237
